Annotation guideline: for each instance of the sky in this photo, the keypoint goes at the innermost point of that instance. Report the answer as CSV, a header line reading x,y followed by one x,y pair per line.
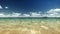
x,y
42,5
28,6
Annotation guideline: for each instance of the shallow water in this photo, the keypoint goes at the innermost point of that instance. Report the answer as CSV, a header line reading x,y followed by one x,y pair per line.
x,y
29,26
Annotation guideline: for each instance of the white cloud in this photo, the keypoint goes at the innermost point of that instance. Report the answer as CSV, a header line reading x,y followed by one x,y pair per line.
x,y
15,14
50,13
6,7
34,14
53,13
10,15
19,15
27,15
1,7
2,15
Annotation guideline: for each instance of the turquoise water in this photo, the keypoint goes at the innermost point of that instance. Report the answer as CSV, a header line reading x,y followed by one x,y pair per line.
x,y
43,25
48,21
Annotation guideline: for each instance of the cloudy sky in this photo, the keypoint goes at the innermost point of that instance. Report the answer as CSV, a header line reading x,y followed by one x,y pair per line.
x,y
35,8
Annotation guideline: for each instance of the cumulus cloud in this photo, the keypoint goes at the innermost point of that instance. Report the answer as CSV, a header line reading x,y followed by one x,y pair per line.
x,y
10,15
26,15
15,14
53,13
2,15
35,14
49,13
32,14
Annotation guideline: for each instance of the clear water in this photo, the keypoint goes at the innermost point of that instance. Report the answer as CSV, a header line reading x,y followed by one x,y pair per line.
x,y
40,25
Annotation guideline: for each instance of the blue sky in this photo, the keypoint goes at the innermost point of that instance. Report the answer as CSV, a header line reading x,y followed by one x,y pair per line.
x,y
28,6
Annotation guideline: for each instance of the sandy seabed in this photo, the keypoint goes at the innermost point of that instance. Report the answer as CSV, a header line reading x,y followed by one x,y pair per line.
x,y
28,26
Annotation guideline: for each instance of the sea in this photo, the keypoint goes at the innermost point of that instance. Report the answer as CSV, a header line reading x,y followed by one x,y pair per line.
x,y
29,25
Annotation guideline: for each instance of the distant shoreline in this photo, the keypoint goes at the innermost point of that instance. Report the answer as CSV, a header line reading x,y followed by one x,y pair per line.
x,y
32,17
